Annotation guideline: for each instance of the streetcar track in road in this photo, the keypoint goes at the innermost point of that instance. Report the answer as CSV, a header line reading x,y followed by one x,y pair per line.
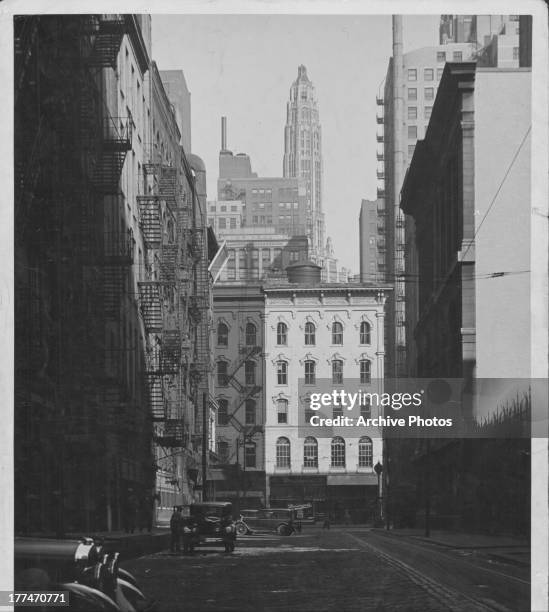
x,y
453,599
481,567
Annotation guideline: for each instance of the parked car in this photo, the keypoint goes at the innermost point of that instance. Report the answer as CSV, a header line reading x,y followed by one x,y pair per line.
x,y
280,520
85,568
210,523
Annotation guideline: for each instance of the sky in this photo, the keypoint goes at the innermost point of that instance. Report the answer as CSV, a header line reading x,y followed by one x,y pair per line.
x,y
242,67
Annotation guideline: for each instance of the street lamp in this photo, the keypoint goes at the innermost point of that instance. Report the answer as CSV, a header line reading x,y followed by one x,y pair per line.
x,y
378,469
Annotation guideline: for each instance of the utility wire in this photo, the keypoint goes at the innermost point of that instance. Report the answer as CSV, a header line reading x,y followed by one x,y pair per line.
x,y
515,156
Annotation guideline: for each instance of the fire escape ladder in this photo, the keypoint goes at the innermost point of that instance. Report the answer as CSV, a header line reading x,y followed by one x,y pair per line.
x,y
149,220
247,393
108,34
167,185
170,353
150,306
116,142
155,392
168,262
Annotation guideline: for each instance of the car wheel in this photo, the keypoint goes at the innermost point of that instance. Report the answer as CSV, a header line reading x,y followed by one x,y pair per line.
x,y
241,529
283,530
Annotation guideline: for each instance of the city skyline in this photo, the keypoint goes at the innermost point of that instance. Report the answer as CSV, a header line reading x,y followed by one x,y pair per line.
x,y
348,122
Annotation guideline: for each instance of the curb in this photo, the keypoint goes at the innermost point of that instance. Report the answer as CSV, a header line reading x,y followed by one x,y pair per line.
x,y
391,533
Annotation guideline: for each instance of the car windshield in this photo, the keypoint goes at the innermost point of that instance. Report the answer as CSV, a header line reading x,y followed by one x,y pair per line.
x,y
205,510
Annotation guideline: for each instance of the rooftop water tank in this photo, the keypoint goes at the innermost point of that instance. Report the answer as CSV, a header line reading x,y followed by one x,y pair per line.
x,y
304,273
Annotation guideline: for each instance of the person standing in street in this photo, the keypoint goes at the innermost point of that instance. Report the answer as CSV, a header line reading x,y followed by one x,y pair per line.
x,y
175,528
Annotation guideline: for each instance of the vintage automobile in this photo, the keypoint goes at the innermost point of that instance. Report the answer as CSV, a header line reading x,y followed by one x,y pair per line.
x,y
209,523
84,568
280,520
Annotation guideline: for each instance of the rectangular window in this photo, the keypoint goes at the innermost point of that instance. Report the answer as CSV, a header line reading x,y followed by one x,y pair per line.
x,y
223,412
412,74
310,372
337,411
429,93
366,409
412,93
428,74
412,131
222,375
249,455
457,56
515,53
365,372
282,373
411,150
223,209
222,223
441,56
282,410
439,73
250,412
337,372
232,223
412,112
427,112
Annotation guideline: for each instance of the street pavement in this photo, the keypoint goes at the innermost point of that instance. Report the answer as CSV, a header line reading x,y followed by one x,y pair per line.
x,y
344,569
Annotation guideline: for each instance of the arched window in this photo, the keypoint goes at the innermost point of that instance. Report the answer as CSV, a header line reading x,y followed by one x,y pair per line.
x,y
249,372
282,410
310,372
337,333
365,330
251,334
282,334
283,453
365,372
337,372
222,334
338,452
223,412
250,412
310,452
281,372
310,339
365,452
250,454
222,376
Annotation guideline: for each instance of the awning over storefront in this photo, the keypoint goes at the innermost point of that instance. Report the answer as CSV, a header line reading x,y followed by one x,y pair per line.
x,y
351,479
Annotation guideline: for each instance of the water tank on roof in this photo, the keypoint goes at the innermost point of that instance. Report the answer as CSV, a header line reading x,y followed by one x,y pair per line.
x,y
304,273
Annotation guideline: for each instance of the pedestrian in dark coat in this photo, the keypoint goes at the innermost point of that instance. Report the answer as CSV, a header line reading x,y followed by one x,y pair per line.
x,y
175,529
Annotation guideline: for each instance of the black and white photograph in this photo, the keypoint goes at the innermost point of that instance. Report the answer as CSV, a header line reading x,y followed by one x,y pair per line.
x,y
275,306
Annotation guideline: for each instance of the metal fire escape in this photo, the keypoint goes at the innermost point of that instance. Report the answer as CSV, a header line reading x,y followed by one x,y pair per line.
x,y
162,299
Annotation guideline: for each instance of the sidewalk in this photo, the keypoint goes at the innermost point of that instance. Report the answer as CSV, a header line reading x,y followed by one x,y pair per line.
x,y
511,549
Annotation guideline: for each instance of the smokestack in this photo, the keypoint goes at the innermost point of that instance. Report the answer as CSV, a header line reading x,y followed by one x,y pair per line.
x,y
223,133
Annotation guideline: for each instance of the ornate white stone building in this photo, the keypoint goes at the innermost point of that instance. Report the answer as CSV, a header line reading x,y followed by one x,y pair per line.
x,y
318,337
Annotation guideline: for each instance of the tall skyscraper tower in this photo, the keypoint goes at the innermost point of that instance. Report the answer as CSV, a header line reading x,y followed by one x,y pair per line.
x,y
303,155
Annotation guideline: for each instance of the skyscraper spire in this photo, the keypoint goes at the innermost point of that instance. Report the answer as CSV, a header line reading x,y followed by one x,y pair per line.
x,y
303,153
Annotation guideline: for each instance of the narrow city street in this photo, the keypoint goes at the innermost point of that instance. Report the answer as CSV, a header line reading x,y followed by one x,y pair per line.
x,y
345,568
